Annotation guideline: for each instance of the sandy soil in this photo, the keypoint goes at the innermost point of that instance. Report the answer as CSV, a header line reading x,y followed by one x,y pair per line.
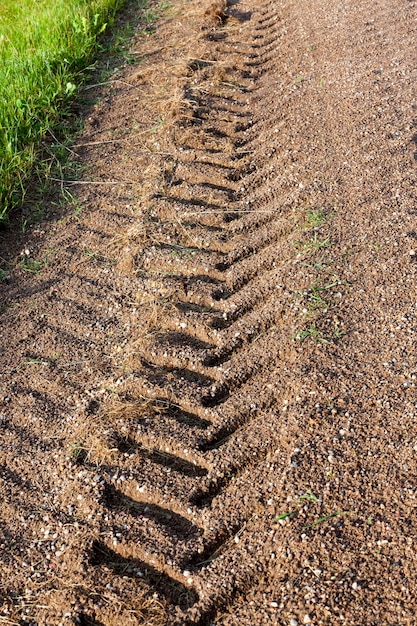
x,y
208,379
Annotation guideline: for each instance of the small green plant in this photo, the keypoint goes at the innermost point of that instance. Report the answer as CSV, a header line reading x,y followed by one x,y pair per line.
x,y
309,496
311,332
31,265
34,361
338,331
325,518
278,518
315,303
78,453
150,16
310,247
316,217
43,361
165,5
315,334
99,259
300,501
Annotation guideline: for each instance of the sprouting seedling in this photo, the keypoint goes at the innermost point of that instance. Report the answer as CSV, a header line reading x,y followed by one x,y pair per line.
x,y
31,265
321,520
284,516
312,246
312,332
315,217
309,496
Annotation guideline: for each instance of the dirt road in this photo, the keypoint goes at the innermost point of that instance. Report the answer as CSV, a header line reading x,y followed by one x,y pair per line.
x,y
208,376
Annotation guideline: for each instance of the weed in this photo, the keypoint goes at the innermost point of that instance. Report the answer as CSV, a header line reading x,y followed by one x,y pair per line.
x,y
316,217
99,259
300,501
338,331
315,304
150,16
310,247
311,332
317,335
31,265
78,453
321,520
284,516
309,496
71,200
35,362
46,361
165,5
317,265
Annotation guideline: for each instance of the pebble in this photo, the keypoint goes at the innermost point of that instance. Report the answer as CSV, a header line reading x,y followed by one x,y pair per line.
x,y
306,619
293,622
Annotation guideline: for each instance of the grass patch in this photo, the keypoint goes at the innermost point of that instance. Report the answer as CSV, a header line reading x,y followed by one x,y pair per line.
x,y
44,48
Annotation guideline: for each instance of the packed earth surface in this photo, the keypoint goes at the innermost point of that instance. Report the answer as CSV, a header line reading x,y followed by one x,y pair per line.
x,y
208,357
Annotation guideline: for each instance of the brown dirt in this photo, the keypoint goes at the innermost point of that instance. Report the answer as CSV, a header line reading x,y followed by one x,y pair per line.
x,y
208,389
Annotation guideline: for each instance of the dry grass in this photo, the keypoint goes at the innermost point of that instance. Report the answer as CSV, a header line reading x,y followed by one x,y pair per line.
x,y
216,13
109,607
135,411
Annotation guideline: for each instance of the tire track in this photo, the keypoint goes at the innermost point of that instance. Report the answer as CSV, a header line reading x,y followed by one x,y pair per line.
x,y
212,354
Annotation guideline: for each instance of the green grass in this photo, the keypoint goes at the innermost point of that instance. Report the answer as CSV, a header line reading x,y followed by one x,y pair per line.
x,y
44,47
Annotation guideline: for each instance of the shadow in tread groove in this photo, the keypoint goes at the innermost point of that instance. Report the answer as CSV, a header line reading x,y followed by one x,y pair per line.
x,y
183,417
177,524
129,446
173,590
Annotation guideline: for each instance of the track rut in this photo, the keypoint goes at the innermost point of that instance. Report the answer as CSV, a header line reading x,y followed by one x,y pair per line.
x,y
217,230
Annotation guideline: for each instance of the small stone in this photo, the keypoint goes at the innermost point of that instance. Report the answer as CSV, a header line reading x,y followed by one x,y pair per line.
x,y
306,619
274,605
293,622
